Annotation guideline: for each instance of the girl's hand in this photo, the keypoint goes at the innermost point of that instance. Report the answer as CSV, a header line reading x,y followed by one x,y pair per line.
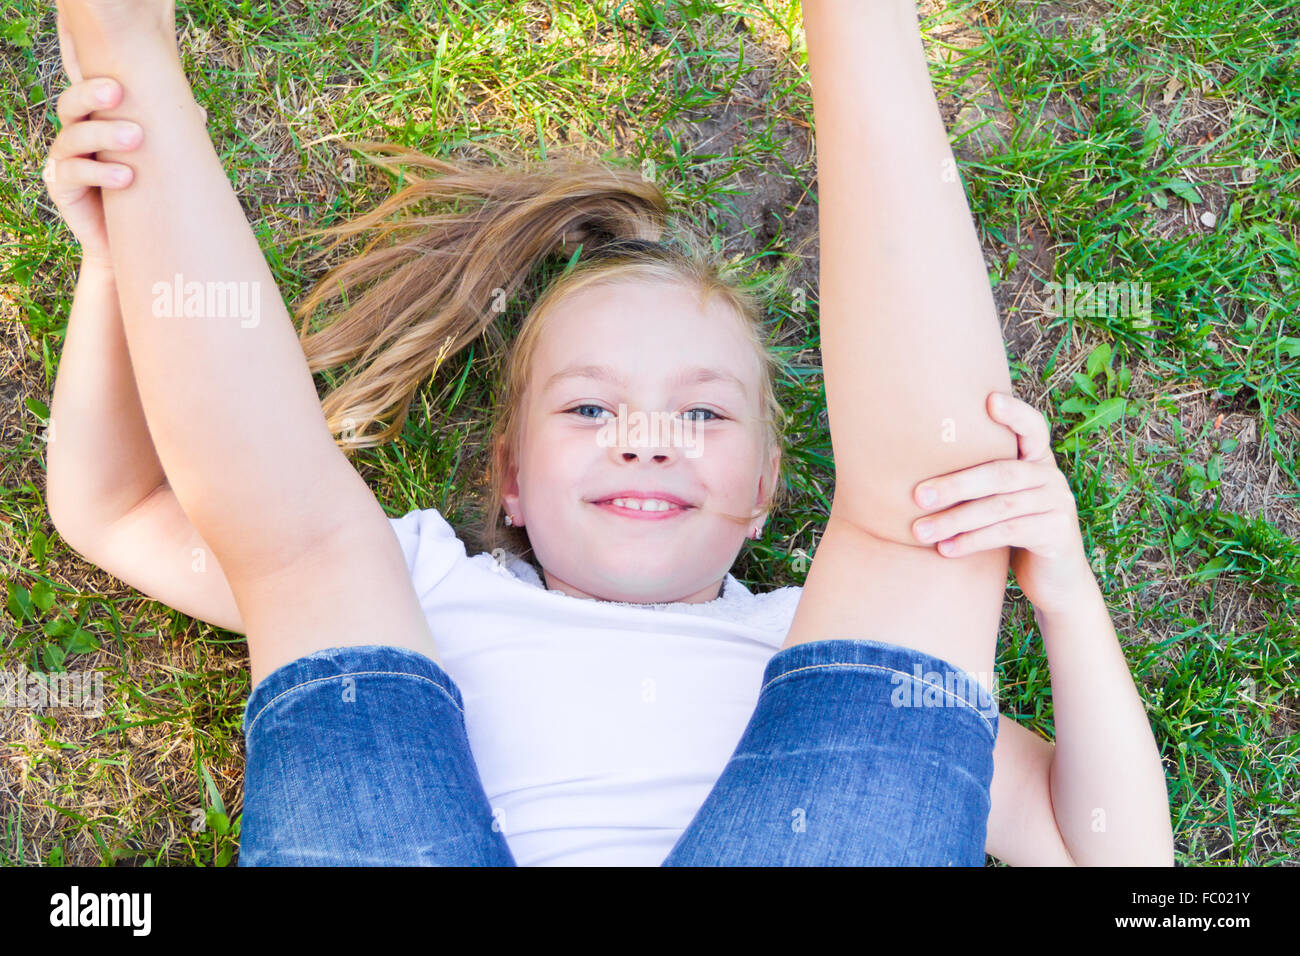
x,y
73,177
1025,504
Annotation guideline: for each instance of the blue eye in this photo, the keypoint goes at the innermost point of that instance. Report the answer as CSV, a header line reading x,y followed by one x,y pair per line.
x,y
577,407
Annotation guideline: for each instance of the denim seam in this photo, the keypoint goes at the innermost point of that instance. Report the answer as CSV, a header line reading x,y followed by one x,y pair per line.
x,y
317,680
892,670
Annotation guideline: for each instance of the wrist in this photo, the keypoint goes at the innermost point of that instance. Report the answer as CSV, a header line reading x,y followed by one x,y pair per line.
x,y
96,268
1085,593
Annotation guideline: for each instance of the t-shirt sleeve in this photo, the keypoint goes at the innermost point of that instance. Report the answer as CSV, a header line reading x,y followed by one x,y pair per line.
x,y
430,547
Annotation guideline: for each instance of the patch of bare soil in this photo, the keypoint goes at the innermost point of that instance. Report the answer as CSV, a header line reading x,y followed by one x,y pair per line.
x,y
772,200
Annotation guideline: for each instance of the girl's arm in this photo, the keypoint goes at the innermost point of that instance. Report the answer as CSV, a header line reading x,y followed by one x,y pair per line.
x,y
911,342
1098,797
310,556
230,402
105,487
100,461
1107,783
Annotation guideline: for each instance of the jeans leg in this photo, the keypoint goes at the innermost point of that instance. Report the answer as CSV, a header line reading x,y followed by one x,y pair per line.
x,y
358,756
859,753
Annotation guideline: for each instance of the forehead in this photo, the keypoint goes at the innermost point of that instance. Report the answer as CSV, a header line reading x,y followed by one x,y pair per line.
x,y
645,329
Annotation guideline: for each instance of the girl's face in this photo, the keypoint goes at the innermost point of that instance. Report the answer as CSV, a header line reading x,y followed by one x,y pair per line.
x,y
642,345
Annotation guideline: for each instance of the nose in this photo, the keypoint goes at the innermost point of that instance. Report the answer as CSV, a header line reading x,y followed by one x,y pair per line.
x,y
633,456
648,436
656,448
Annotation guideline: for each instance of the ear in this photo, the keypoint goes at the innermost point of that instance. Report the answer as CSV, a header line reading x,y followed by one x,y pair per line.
x,y
509,475
768,481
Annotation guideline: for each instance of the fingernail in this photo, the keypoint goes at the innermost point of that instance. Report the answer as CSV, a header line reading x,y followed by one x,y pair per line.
x,y
928,496
999,401
104,92
923,530
125,135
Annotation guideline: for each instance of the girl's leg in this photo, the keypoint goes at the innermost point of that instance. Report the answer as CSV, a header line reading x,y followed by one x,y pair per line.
x,y
356,753
859,753
212,345
910,341
227,394
358,756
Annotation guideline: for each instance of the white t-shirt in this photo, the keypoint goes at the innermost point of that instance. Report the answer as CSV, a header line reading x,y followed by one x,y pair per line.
x,y
598,727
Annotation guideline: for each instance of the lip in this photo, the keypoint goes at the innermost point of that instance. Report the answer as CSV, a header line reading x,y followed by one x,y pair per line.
x,y
605,502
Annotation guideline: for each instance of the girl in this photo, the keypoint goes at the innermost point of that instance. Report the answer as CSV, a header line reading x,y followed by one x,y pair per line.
x,y
619,697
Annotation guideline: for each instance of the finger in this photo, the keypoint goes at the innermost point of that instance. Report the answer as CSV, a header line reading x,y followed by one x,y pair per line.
x,y
66,176
90,136
973,515
1029,424
993,477
81,99
1024,531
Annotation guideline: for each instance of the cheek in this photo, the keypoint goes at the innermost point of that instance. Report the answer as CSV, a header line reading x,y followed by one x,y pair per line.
x,y
556,464
729,480
731,456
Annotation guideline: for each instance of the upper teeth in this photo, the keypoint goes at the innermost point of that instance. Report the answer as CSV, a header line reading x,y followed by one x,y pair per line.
x,y
643,504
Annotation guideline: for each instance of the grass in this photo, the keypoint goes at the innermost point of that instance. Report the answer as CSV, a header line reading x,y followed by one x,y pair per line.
x,y
1091,139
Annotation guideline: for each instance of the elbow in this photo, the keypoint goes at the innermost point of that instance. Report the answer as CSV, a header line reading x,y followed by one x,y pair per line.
x,y
76,535
76,526
61,517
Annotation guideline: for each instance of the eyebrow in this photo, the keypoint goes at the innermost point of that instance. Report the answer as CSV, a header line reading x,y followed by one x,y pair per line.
x,y
692,375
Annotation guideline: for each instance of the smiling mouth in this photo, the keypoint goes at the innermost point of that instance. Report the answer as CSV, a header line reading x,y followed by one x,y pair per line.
x,y
643,508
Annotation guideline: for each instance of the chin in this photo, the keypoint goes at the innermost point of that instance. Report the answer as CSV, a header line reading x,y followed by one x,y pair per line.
x,y
636,584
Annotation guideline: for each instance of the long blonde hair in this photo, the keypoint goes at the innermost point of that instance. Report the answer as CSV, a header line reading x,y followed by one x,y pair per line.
x,y
432,282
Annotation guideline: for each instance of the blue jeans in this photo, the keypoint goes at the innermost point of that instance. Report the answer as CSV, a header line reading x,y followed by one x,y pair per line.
x,y
859,753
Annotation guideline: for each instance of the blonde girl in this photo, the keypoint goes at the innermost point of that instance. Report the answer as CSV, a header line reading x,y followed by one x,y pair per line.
x,y
593,686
